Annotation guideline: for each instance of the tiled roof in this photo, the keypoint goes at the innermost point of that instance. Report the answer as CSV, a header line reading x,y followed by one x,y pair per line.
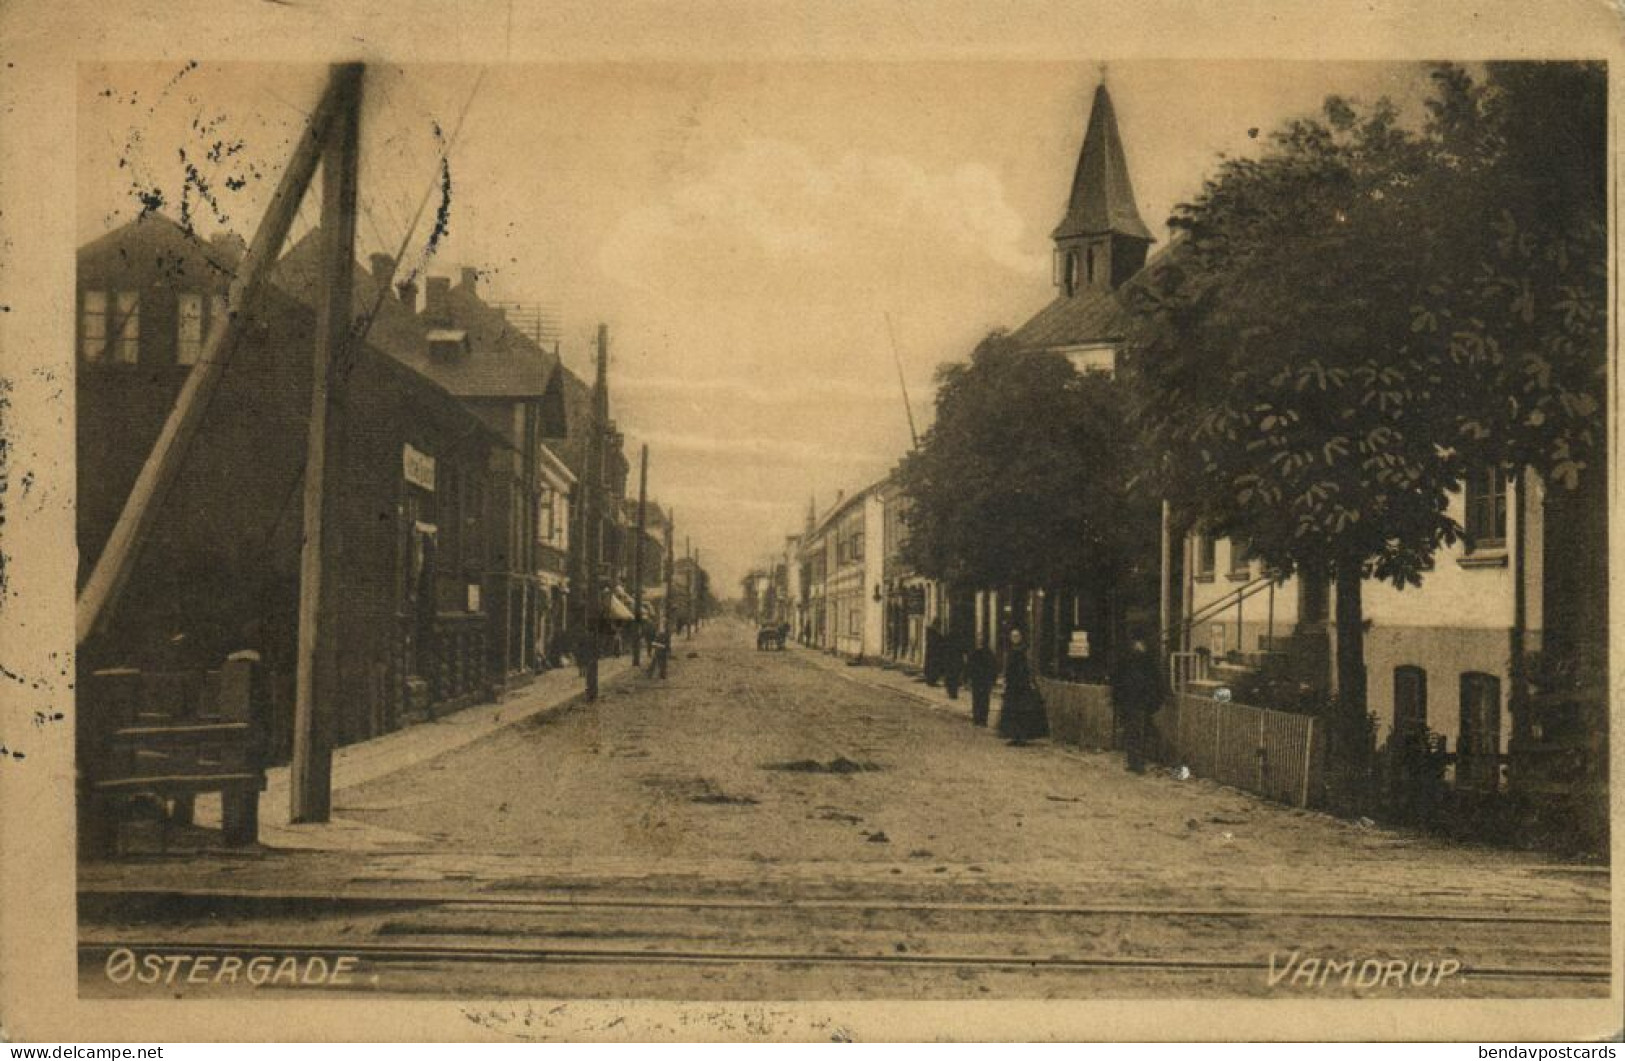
x,y
291,290
495,367
1090,316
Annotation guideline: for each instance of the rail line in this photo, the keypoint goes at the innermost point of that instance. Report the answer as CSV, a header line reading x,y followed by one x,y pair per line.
x,y
519,903
418,953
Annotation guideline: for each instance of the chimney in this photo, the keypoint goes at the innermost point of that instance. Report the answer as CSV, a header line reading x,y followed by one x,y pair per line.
x,y
409,294
437,298
471,277
229,246
383,268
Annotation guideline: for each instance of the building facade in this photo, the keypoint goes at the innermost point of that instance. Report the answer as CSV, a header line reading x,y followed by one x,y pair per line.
x,y
220,570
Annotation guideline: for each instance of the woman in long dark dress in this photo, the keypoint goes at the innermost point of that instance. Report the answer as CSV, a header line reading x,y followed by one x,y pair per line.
x,y
1021,716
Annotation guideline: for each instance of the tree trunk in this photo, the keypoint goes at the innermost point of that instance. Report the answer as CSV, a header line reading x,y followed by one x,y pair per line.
x,y
1351,744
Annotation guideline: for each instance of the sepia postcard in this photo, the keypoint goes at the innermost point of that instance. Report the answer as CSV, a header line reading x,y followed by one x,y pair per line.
x,y
809,522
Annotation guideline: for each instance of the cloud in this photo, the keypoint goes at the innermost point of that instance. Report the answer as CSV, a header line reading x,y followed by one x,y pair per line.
x,y
769,217
754,449
818,392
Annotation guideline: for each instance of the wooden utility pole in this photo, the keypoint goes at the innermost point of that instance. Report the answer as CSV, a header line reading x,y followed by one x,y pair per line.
x,y
688,586
311,769
106,582
694,598
671,565
637,557
591,516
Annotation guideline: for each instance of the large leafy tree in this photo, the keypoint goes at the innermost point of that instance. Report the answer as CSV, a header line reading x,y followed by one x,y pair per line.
x,y
1348,325
1027,476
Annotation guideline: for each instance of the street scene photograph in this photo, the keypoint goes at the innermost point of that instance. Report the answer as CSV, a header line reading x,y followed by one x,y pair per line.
x,y
823,531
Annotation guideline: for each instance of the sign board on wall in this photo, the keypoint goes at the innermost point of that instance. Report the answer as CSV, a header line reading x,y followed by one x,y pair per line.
x,y
1078,646
473,596
418,467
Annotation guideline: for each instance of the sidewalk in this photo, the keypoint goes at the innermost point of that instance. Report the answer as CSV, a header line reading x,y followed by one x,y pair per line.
x,y
897,681
356,764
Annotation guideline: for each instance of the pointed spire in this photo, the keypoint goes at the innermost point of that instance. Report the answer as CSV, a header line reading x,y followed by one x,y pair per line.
x,y
1102,198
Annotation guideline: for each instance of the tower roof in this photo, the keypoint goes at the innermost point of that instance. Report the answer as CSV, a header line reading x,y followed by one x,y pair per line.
x,y
1102,197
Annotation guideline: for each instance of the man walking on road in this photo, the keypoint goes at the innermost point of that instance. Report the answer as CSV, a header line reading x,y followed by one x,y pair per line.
x,y
1137,694
933,654
659,651
981,670
952,662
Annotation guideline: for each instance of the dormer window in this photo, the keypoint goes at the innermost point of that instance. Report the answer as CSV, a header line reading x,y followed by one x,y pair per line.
x,y
447,344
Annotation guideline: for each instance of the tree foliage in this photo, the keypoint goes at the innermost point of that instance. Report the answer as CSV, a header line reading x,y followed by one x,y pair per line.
x,y
1027,476
1349,324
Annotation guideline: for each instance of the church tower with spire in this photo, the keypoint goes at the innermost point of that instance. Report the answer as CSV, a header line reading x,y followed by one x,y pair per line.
x,y
1101,242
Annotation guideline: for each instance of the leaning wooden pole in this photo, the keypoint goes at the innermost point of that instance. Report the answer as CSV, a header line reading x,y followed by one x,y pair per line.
x,y
311,768
637,557
107,579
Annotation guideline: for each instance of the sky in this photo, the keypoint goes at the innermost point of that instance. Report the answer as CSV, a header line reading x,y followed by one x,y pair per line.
x,y
745,231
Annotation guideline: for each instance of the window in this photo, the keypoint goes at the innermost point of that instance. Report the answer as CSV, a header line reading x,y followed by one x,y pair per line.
x,y
93,326
1410,701
1068,262
1241,556
1486,493
1089,269
188,328
857,546
127,326
1206,555
854,621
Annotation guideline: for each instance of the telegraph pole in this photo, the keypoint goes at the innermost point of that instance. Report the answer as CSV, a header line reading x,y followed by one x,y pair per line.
x,y
591,521
694,598
688,583
311,768
637,557
102,590
671,565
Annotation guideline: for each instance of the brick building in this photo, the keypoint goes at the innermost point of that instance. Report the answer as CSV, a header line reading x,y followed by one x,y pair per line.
x,y
220,571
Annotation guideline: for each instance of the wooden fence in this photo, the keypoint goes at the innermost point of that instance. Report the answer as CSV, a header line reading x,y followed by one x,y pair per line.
x,y
1278,755
1079,714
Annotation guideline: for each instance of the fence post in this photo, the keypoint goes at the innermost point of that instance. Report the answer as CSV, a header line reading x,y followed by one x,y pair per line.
x,y
1263,716
1308,760
1218,720
240,807
104,703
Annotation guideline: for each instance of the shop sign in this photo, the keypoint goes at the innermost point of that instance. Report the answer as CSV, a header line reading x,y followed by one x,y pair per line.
x,y
418,466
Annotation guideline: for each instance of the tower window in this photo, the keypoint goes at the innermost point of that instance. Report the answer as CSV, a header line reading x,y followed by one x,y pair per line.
x,y
1089,266
1069,272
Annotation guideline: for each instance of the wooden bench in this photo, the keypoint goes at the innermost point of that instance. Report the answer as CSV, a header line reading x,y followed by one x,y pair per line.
x,y
169,736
